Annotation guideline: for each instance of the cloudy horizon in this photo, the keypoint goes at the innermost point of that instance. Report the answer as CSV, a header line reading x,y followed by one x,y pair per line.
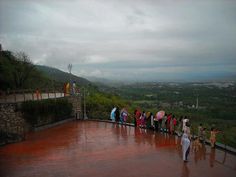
x,y
125,40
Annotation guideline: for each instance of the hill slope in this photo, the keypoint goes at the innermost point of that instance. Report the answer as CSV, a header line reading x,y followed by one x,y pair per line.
x,y
61,76
17,72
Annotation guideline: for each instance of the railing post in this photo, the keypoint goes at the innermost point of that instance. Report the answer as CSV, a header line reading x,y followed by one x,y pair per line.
x,y
24,94
40,94
5,96
32,93
48,93
6,129
14,95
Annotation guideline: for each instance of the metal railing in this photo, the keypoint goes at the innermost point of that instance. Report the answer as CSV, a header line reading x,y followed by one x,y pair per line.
x,y
14,96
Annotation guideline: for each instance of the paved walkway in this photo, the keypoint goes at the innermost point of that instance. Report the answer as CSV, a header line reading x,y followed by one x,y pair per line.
x,y
89,148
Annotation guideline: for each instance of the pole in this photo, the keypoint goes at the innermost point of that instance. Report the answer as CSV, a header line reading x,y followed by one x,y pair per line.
x,y
69,69
85,115
24,94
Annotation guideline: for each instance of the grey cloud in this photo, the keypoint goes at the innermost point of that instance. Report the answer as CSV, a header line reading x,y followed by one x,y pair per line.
x,y
129,35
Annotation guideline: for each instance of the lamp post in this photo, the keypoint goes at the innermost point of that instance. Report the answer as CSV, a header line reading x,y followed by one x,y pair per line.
x,y
197,95
69,69
85,115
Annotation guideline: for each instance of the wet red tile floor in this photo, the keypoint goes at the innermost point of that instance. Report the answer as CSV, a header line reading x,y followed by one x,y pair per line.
x,y
89,148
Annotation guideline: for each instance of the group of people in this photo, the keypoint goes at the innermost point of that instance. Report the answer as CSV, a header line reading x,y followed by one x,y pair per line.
x,y
198,141
168,123
70,89
118,115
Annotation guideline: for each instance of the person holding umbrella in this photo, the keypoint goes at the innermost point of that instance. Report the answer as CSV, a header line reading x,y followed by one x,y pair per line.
x,y
158,119
112,116
163,124
152,121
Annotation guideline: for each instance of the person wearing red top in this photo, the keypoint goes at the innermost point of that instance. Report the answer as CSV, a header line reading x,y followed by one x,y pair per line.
x,y
137,116
168,122
174,123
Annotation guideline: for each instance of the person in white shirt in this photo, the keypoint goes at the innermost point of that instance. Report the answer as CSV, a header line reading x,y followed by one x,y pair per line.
x,y
185,120
185,142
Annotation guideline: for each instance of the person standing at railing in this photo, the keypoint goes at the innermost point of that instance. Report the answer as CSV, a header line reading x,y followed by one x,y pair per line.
x,y
137,117
117,115
112,116
152,121
200,129
214,131
64,88
174,124
123,116
184,121
169,117
163,123
135,122
74,88
204,135
185,142
38,94
143,120
67,89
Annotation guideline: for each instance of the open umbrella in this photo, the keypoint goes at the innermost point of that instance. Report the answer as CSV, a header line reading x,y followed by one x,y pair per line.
x,y
160,115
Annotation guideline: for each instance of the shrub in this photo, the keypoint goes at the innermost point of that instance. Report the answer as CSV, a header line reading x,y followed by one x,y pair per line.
x,y
99,105
42,112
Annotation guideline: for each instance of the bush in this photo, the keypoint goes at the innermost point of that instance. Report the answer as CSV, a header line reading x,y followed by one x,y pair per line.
x,y
99,105
43,112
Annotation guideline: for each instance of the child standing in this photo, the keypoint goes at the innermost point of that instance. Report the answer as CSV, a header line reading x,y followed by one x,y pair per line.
x,y
213,137
200,129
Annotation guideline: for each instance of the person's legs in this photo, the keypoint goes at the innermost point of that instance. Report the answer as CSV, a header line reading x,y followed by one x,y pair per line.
x,y
187,153
212,143
156,125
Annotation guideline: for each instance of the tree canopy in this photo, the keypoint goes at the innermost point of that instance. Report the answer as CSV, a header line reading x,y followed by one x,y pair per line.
x,y
18,72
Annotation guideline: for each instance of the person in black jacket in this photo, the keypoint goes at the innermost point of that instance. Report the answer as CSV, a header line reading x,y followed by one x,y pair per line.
x,y
117,115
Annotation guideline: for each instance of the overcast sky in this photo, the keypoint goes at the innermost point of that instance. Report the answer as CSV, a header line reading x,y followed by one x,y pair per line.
x,y
125,39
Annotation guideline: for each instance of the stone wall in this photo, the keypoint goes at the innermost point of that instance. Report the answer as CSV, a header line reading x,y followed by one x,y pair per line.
x,y
76,103
13,126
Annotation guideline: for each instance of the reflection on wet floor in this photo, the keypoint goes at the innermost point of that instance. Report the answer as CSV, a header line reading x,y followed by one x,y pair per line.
x,y
103,149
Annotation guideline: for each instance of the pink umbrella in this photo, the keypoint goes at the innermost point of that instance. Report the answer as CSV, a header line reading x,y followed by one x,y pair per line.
x,y
160,115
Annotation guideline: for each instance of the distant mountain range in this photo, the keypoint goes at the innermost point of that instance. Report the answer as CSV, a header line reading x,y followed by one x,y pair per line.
x,y
61,76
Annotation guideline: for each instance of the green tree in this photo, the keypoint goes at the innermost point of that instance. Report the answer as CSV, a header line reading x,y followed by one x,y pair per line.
x,y
23,69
